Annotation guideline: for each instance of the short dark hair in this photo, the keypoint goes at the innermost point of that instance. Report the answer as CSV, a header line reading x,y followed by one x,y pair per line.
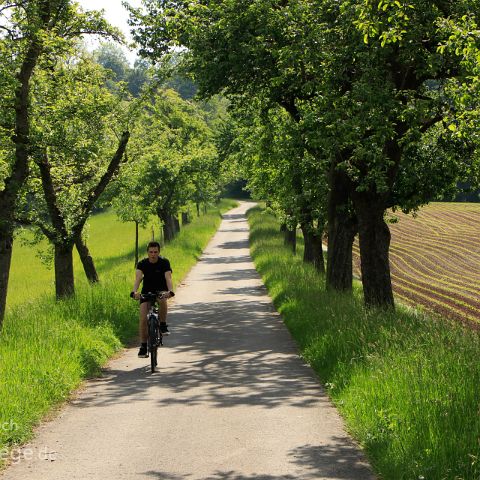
x,y
153,245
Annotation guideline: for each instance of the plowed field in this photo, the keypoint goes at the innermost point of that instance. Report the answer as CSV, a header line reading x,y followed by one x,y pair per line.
x,y
435,260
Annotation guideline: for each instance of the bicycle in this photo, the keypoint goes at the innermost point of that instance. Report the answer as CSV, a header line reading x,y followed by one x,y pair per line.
x,y
155,336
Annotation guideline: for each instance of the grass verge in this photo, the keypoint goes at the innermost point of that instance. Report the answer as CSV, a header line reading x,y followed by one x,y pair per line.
x,y
408,386
47,348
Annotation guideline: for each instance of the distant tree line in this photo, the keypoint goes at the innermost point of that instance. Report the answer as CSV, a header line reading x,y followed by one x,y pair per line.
x,y
111,56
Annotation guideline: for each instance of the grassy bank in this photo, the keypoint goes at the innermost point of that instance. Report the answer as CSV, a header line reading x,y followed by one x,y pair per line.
x,y
48,347
408,386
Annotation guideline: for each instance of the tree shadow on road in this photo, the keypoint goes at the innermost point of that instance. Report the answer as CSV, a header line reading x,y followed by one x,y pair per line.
x,y
338,460
226,260
229,353
234,216
234,245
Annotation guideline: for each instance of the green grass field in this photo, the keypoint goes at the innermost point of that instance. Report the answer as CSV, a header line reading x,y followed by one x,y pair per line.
x,y
407,386
110,241
48,347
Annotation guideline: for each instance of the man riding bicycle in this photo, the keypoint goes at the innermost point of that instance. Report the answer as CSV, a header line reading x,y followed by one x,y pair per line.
x,y
156,273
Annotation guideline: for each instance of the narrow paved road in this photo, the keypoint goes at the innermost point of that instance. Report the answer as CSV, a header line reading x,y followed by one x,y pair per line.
x,y
232,399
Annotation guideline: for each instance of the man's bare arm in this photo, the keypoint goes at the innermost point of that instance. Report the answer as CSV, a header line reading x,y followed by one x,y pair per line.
x,y
168,278
138,280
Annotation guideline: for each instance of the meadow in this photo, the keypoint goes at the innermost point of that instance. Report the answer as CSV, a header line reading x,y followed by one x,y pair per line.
x,y
435,260
408,386
47,347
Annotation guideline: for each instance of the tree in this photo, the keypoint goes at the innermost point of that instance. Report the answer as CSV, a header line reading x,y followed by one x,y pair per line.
x,y
111,57
174,155
138,77
29,31
77,154
271,152
393,119
127,199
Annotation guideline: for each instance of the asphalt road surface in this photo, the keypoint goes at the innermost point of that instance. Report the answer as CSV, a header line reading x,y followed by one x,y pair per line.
x,y
232,400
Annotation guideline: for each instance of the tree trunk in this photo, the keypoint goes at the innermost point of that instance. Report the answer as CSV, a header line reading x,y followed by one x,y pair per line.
x,y
185,218
168,227
6,244
64,281
161,238
341,234
317,246
290,239
136,244
342,227
307,242
198,209
176,224
374,240
313,252
19,172
86,258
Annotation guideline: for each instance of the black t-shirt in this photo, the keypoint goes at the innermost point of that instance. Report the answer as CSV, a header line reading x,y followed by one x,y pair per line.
x,y
154,274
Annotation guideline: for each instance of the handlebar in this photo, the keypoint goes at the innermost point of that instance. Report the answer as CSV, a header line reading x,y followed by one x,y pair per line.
x,y
153,297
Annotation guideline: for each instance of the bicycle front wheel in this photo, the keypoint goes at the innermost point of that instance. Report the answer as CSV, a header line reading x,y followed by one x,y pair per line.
x,y
153,359
153,332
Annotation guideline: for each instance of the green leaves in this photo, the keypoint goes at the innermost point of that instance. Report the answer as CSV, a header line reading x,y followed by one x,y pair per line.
x,y
388,21
173,159
74,118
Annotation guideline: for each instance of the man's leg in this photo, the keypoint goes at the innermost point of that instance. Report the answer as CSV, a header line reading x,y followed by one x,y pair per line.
x,y
142,328
162,316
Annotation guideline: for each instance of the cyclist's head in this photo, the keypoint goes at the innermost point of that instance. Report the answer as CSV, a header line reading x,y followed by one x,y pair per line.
x,y
153,245
153,250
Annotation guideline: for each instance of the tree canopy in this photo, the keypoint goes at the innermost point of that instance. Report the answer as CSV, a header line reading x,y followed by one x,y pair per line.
x,y
381,93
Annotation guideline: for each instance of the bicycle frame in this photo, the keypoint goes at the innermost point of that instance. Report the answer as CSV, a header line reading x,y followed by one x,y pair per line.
x,y
155,337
